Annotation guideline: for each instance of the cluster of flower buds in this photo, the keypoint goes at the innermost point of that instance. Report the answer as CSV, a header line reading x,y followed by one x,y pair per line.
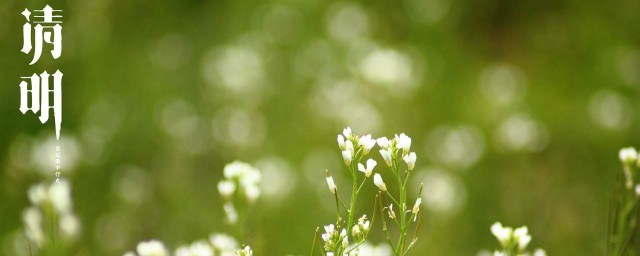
x,y
397,148
360,229
334,240
50,204
354,147
240,179
513,242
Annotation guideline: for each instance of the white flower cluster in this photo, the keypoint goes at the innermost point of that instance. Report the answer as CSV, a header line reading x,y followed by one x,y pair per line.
x,y
55,200
396,148
628,155
218,244
334,240
354,147
513,242
239,179
360,229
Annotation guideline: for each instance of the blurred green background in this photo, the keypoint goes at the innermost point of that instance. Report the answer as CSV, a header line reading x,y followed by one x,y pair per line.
x,y
516,109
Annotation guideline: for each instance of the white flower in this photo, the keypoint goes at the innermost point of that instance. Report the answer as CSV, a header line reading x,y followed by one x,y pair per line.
x,y
234,169
369,169
386,155
341,143
416,206
329,228
252,192
521,235
403,142
246,251
230,211
32,218
329,254
498,253
60,196
332,185
410,159
201,248
628,155
377,180
345,240
355,231
366,142
151,248
37,194
638,190
383,142
539,252
347,156
363,223
226,188
69,225
349,146
502,233
347,133
223,242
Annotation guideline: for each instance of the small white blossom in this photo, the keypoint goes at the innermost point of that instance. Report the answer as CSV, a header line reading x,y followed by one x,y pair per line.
x,y
252,193
539,252
332,185
69,225
341,143
347,133
502,233
377,180
386,155
355,231
521,235
363,223
366,142
410,159
246,251
151,248
347,155
403,142
383,142
345,240
32,218
223,242
226,188
60,196
37,194
369,169
628,155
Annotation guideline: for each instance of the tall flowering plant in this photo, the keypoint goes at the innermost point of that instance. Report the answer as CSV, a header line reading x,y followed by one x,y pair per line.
x,y
624,214
398,157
